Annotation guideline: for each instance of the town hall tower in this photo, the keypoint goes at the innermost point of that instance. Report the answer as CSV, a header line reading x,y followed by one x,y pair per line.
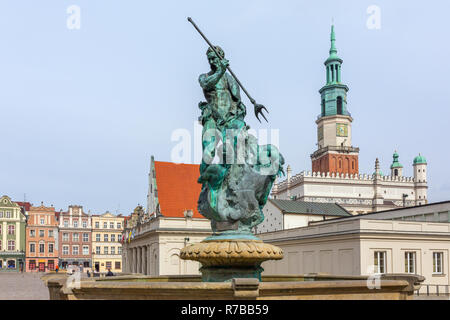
x,y
335,153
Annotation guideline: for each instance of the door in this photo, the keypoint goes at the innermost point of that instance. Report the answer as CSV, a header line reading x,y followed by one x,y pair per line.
x,y
42,266
97,267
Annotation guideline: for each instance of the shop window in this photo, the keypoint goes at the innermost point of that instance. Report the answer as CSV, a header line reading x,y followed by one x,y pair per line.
x,y
11,264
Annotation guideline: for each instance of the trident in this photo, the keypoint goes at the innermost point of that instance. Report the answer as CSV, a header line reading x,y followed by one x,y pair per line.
x,y
258,107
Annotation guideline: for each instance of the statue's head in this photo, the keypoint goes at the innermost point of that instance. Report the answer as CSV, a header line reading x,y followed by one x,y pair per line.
x,y
212,57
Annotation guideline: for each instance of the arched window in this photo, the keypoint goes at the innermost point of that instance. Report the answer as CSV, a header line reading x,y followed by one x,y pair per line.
x,y
396,172
339,105
340,164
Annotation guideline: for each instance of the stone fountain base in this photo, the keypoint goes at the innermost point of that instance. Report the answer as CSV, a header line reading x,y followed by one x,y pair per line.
x,y
275,287
226,259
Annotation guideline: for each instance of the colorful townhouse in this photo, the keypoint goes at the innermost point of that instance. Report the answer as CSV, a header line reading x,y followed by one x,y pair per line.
x,y
107,232
75,242
41,239
12,235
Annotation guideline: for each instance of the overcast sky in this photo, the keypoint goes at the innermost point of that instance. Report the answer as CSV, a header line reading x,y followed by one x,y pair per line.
x,y
84,109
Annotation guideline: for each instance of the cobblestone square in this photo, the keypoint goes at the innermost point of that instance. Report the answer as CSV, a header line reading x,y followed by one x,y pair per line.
x,y
22,286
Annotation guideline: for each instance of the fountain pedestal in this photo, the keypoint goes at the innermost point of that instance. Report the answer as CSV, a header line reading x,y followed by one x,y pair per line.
x,y
225,259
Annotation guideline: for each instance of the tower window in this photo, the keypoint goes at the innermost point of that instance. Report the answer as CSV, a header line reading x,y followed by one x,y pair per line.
x,y
339,105
396,172
323,107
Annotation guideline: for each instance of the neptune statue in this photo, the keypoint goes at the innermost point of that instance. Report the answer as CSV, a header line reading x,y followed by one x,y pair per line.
x,y
236,176
235,189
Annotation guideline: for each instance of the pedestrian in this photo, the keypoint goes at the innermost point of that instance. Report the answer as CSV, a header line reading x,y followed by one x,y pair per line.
x,y
56,268
88,273
109,274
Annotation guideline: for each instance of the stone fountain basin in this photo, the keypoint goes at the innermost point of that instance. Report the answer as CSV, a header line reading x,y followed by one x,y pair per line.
x,y
272,287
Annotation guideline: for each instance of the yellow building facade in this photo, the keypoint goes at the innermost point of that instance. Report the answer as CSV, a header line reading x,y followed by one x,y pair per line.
x,y
107,232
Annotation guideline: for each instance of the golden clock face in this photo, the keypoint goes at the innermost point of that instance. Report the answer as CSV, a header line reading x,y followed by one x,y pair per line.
x,y
341,130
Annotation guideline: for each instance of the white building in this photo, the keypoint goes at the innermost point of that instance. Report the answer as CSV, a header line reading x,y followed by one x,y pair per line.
x,y
335,176
153,239
358,193
410,240
288,214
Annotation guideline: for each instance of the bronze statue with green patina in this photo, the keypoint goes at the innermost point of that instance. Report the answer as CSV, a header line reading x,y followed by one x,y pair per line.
x,y
236,176
235,189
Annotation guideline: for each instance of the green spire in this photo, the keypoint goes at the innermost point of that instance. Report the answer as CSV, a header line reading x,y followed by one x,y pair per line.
x,y
395,163
333,50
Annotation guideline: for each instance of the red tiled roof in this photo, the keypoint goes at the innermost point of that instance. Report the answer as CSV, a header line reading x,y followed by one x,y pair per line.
x,y
26,205
178,189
